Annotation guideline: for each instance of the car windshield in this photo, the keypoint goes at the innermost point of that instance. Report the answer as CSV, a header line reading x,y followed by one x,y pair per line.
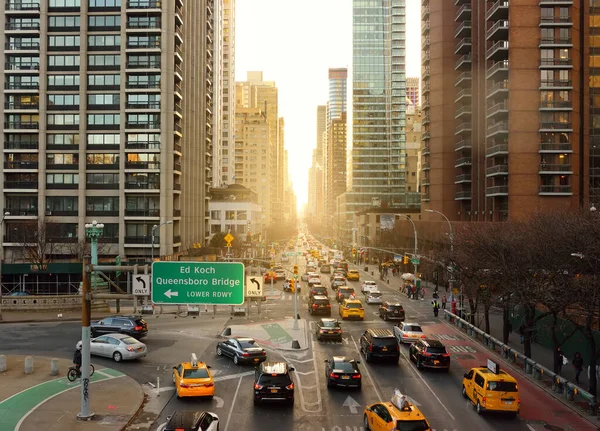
x,y
248,343
346,290
275,380
344,367
412,328
391,341
195,373
418,425
502,386
129,340
329,324
437,349
353,305
375,294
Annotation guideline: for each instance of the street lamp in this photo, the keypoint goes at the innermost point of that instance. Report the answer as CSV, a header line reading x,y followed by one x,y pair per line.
x,y
416,249
451,236
154,228
1,258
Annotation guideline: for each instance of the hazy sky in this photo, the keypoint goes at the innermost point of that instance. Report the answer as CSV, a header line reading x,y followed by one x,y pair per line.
x,y
294,44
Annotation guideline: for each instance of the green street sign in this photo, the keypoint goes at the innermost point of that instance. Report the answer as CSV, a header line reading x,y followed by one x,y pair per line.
x,y
415,261
180,283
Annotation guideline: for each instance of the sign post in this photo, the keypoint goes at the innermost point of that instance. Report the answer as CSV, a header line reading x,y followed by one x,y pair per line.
x,y
180,283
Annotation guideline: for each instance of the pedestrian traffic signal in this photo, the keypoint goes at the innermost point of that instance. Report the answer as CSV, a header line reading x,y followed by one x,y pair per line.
x,y
296,269
405,260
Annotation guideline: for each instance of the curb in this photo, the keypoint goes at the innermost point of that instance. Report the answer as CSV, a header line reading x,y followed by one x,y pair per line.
x,y
138,410
591,419
68,319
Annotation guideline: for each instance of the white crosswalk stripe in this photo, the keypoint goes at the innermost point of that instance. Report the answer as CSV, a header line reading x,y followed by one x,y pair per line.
x,y
461,349
449,337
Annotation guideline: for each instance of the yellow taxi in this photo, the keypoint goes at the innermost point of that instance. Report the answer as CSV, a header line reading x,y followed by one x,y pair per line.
x,y
353,274
491,389
400,414
352,308
193,379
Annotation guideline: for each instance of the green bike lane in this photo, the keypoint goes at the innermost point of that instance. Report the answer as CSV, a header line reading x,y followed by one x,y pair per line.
x,y
17,407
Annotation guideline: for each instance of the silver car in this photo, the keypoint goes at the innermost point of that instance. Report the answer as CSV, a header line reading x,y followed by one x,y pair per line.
x,y
374,297
119,347
408,332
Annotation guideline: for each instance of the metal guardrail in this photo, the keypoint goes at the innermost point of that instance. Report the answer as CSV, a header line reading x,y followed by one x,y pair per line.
x,y
574,395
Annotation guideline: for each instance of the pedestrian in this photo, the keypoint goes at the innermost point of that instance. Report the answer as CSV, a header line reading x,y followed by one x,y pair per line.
x,y
522,333
578,364
558,360
444,302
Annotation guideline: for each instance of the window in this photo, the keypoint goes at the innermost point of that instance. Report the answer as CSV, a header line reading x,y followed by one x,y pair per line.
x,y
61,231
104,21
62,139
142,181
104,119
103,100
22,82
143,81
103,179
105,3
100,81
61,205
103,139
148,141
61,100
64,4
62,159
143,41
141,230
63,42
63,81
22,205
151,101
59,179
142,206
215,215
143,161
143,22
143,61
65,22
147,121
104,61
479,380
102,159
104,41
102,204
66,62
111,230
62,120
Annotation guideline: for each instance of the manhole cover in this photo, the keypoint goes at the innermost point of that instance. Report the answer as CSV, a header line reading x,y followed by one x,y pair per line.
x,y
464,356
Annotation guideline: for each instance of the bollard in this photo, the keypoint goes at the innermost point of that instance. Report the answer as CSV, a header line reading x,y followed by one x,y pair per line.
x,y
537,374
568,393
2,363
295,344
528,367
54,367
29,365
158,386
592,406
514,357
557,385
505,352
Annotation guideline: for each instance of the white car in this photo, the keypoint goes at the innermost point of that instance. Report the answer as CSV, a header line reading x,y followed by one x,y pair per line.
x,y
119,347
368,286
374,297
198,420
407,332
313,280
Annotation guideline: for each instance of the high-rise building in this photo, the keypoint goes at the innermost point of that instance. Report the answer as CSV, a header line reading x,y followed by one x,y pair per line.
x,y
227,131
506,137
377,168
107,117
413,147
412,90
316,186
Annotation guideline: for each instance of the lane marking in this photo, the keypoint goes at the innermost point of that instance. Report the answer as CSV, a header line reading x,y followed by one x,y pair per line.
x,y
366,368
237,389
233,376
306,373
220,401
412,367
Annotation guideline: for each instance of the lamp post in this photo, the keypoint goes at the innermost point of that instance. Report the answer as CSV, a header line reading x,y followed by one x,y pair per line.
x,y
155,228
415,252
93,231
1,259
451,236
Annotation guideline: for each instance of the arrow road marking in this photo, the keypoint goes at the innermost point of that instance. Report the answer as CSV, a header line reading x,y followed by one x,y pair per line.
x,y
220,402
169,293
351,404
233,376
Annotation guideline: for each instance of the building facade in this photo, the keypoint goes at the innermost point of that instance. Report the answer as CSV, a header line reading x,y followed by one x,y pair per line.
x,y
507,135
99,102
412,90
316,183
235,209
413,147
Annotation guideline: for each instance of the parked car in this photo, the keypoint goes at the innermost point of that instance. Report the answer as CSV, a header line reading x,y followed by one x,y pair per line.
x,y
341,371
319,305
408,332
329,329
132,325
377,343
391,310
374,297
21,293
119,347
242,350
273,382
192,421
429,354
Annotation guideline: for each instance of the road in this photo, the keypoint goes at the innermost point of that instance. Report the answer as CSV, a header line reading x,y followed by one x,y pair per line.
x,y
317,408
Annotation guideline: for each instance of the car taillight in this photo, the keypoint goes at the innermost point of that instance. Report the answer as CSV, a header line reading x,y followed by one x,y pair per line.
x,y
328,305
427,354
245,355
338,330
334,376
257,386
209,385
483,400
361,309
519,401
423,336
184,385
446,355
314,306
370,348
138,328
323,331
356,376
405,335
129,349
264,353
290,386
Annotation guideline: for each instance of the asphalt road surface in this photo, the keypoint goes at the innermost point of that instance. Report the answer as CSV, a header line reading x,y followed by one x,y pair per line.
x,y
172,340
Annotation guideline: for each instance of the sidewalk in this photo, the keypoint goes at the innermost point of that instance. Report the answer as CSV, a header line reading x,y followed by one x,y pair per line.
x,y
38,400
277,334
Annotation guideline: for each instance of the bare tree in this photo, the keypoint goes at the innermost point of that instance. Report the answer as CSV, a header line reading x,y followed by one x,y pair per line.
x,y
83,247
36,243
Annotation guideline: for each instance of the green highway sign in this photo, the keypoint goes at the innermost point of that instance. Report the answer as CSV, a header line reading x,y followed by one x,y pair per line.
x,y
415,261
180,283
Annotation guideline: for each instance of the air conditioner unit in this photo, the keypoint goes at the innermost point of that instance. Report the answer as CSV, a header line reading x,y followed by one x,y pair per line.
x,y
48,213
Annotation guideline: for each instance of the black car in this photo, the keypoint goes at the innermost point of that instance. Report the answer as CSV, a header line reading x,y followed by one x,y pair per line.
x,y
273,382
192,421
319,304
329,329
342,371
242,350
391,310
317,289
429,354
378,343
132,325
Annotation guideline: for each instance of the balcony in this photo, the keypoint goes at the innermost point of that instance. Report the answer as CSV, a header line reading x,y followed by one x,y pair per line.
x,y
464,144
426,119
463,13
22,46
496,128
425,57
556,42
463,46
146,45
463,161
99,166
424,12
498,108
466,92
21,145
20,184
143,4
496,170
425,28
21,212
425,182
177,187
558,21
145,25
142,124
464,60
499,31
556,63
561,84
425,43
559,169
499,10
154,212
22,26
102,186
19,6
426,150
558,190
462,179
22,86
132,64
102,213
463,127
556,105
142,165
425,88
176,239
463,78
497,150
556,2
497,68
555,147
496,191
463,111
497,51
143,105
141,240
464,195
425,166
463,30
556,127
426,73
143,145
21,165
25,65
34,106
425,136
141,185
22,125
498,88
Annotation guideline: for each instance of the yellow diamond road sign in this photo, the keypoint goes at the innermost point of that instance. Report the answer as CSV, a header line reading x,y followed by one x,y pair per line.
x,y
229,237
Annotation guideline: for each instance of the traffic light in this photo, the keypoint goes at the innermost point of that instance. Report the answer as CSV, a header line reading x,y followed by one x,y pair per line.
x,y
405,260
293,285
296,269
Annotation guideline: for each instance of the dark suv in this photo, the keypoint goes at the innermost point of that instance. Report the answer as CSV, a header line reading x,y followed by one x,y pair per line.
x,y
273,382
317,289
319,304
132,325
429,354
391,310
344,292
378,343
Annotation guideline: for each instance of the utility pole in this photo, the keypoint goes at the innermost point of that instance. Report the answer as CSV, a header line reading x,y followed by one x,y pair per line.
x,y
1,259
86,317
451,268
296,285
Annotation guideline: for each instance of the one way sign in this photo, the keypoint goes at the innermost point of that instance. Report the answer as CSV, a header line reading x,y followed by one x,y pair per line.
x,y
141,284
